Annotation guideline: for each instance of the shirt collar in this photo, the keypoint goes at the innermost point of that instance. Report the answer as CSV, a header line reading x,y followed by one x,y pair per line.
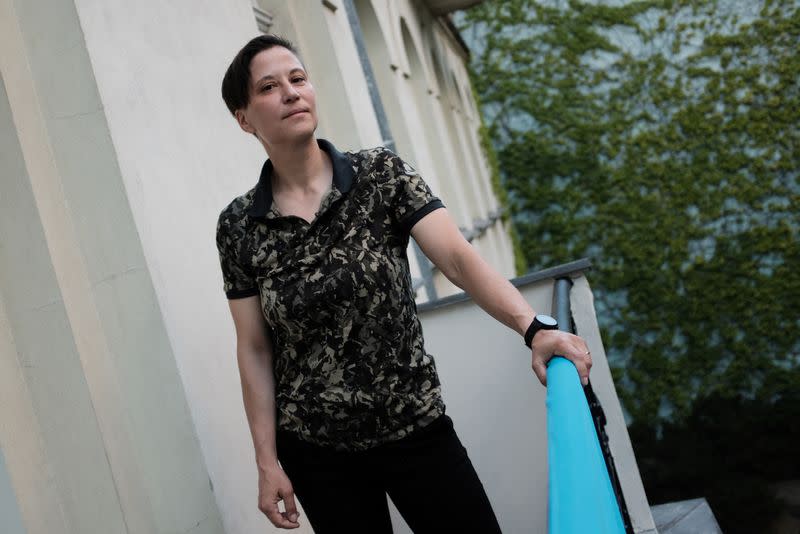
x,y
343,175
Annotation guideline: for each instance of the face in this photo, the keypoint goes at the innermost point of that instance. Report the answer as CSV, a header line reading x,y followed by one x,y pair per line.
x,y
282,107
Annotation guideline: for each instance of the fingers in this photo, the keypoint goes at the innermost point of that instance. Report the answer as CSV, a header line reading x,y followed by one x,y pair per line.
x,y
540,369
576,351
274,515
579,354
583,370
291,507
563,344
287,519
279,519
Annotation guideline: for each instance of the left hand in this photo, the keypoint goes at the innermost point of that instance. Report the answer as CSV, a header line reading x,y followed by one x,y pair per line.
x,y
549,343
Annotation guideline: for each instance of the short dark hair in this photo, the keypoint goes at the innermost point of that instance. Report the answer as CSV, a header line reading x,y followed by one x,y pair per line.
x,y
236,82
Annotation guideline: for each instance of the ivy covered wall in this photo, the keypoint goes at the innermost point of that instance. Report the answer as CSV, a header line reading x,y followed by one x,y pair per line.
x,y
662,140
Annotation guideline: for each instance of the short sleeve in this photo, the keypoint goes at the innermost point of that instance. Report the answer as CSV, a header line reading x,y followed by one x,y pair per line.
x,y
410,198
238,282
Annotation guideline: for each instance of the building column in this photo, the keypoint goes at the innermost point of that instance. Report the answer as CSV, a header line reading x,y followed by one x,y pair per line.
x,y
96,432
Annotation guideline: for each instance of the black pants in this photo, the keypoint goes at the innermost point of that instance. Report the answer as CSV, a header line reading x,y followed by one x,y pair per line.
x,y
427,474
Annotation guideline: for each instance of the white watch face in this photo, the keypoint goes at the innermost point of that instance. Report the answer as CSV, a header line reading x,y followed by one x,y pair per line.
x,y
546,320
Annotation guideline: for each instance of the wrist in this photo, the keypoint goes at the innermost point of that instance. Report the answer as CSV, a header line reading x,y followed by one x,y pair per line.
x,y
523,322
267,459
540,322
267,464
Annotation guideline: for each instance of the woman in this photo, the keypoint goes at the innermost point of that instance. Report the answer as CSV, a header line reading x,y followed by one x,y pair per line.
x,y
336,383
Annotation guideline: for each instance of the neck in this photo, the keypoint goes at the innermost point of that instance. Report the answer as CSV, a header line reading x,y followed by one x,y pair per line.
x,y
300,166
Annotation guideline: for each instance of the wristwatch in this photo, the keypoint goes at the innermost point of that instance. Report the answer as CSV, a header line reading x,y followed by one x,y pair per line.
x,y
540,322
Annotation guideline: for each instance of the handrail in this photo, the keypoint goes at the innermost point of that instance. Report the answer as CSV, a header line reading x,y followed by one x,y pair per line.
x,y
581,497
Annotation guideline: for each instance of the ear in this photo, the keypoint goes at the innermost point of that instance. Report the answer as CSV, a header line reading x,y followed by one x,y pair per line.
x,y
243,123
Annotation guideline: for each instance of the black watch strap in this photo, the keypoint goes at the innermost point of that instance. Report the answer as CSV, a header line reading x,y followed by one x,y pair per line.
x,y
540,322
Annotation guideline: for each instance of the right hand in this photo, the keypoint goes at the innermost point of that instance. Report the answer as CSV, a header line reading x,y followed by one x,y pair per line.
x,y
547,343
274,486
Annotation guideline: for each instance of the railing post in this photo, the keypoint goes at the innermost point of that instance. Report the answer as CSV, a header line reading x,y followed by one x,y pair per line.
x,y
581,497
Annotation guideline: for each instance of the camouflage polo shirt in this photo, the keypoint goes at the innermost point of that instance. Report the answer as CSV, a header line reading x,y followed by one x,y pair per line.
x,y
350,367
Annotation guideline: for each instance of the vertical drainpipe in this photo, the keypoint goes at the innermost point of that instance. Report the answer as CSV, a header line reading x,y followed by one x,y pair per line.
x,y
383,125
561,304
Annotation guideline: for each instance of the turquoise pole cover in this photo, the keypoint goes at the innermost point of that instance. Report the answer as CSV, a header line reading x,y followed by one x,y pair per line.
x,y
581,499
